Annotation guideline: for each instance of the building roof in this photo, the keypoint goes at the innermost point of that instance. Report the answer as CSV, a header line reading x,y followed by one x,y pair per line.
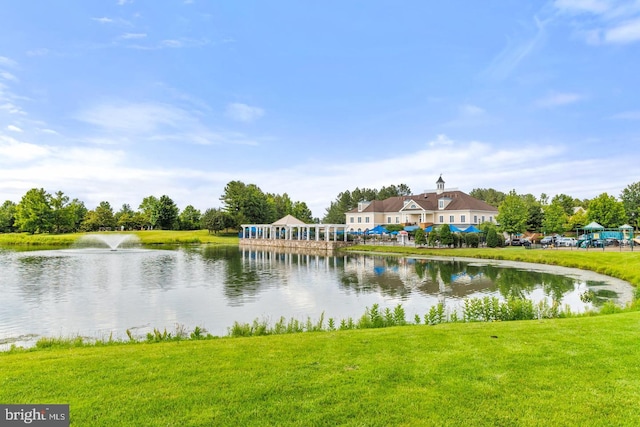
x,y
429,202
289,220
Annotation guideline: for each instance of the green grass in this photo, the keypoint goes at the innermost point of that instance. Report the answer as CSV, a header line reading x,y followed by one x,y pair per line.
x,y
622,265
576,371
150,237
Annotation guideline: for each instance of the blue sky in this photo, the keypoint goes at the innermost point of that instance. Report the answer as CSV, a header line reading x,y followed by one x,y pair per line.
x,y
120,99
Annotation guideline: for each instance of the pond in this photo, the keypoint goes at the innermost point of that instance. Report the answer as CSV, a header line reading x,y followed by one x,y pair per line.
x,y
97,292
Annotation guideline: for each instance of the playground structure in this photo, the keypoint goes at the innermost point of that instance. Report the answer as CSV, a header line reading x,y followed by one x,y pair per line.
x,y
595,235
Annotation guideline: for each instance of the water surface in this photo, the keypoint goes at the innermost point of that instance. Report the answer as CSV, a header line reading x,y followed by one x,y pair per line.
x,y
99,292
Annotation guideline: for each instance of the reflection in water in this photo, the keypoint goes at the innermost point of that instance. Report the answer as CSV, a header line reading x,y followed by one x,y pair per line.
x,y
95,292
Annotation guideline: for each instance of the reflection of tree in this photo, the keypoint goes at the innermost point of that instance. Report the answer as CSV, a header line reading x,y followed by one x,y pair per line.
x,y
555,286
513,283
241,280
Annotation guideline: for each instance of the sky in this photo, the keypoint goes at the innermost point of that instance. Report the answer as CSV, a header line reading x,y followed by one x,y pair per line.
x,y
117,100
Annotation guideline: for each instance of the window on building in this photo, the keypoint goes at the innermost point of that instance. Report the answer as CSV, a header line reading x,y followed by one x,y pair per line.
x,y
366,219
482,218
359,219
441,219
490,219
463,218
351,220
475,219
440,204
451,219
397,220
388,220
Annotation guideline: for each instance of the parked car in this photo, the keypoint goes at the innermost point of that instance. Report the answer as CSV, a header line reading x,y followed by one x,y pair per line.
x,y
566,241
546,240
516,242
526,243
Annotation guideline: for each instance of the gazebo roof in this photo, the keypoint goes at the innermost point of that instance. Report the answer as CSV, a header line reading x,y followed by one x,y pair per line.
x,y
593,226
626,227
288,220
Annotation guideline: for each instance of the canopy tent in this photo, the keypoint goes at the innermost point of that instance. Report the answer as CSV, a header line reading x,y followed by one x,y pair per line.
x,y
625,227
378,229
454,229
429,229
593,226
471,229
411,228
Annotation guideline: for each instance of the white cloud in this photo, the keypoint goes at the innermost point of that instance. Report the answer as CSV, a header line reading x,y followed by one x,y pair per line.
x,y
123,122
559,99
13,128
8,76
440,140
171,43
583,6
243,112
471,110
603,22
129,36
7,62
133,118
627,115
103,20
11,108
627,32
12,150
38,52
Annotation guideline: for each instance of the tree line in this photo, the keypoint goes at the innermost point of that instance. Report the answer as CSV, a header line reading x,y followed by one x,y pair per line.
x,y
41,212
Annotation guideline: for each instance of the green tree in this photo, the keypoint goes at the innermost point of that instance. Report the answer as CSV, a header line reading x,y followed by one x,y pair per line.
x,y
7,217
420,238
555,219
33,213
567,203
216,220
77,212
165,213
104,213
247,204
444,233
301,211
493,241
126,218
147,207
577,220
606,211
488,195
534,212
630,197
281,205
62,219
472,240
513,214
190,218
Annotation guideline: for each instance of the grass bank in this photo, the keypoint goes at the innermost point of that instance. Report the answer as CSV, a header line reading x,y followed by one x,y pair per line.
x,y
576,371
148,237
622,265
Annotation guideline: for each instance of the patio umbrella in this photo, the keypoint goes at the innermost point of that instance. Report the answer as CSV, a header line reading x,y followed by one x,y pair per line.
x,y
471,229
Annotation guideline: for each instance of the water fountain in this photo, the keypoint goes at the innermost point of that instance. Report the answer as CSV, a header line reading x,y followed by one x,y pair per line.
x,y
113,242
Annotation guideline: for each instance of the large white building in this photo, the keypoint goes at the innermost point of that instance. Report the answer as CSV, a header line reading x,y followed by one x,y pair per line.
x,y
437,207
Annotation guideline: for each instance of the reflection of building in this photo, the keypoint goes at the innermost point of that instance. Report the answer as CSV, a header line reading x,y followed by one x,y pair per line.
x,y
436,207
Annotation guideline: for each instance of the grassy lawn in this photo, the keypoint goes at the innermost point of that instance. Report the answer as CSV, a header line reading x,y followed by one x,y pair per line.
x,y
150,237
576,371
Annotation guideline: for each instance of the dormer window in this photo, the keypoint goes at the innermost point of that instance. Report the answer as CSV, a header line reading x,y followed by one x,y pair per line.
x,y
440,204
